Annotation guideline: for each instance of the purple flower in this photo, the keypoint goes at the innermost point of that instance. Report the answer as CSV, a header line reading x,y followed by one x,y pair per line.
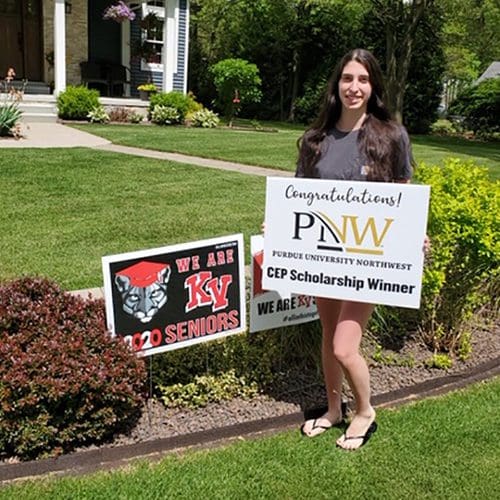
x,y
119,12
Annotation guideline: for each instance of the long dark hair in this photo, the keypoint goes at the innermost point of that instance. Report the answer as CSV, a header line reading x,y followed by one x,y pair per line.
x,y
379,136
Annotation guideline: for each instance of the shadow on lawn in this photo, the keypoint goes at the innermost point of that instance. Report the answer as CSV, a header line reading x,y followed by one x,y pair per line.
x,y
454,145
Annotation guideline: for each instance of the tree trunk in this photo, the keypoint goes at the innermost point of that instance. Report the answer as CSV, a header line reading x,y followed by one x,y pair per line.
x,y
282,99
391,68
295,86
399,18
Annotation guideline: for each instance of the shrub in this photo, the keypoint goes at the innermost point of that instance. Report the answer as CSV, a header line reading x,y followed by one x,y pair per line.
x,y
165,115
135,117
120,114
207,389
193,104
464,267
75,103
443,127
64,382
306,108
238,83
98,115
183,103
10,114
251,356
462,274
253,362
124,115
205,118
440,361
479,105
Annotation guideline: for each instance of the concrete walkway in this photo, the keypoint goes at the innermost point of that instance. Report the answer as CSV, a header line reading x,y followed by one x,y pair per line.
x,y
196,160
52,135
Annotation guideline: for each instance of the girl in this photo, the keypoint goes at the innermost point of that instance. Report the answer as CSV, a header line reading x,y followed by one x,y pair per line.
x,y
353,138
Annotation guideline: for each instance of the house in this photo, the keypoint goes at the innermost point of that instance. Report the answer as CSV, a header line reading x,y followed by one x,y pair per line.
x,y
492,71
49,42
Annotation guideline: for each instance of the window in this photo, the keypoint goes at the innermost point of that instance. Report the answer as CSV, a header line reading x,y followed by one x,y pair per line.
x,y
152,39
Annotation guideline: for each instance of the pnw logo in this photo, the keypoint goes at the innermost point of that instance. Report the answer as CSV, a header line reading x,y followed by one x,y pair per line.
x,y
350,233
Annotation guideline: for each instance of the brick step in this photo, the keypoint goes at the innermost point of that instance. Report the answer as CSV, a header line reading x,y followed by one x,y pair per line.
x,y
39,98
37,107
38,111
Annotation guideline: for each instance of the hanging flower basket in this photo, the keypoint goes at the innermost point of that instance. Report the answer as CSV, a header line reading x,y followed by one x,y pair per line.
x,y
119,13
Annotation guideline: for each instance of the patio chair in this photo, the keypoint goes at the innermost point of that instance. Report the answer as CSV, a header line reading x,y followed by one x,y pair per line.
x,y
95,74
117,76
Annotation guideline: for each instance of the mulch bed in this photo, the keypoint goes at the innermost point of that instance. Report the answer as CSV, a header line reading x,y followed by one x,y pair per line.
x,y
302,391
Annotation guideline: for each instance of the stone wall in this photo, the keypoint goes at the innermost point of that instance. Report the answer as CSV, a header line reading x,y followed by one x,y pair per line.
x,y
76,39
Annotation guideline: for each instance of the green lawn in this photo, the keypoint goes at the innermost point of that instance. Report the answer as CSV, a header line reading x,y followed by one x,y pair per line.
x,y
432,150
444,448
277,150
62,210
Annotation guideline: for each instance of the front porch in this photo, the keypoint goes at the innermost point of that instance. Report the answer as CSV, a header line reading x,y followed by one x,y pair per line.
x,y
48,41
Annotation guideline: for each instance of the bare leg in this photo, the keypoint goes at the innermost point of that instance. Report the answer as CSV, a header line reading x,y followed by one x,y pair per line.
x,y
352,320
329,310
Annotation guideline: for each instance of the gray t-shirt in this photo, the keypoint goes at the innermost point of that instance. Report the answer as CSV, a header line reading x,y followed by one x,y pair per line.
x,y
341,159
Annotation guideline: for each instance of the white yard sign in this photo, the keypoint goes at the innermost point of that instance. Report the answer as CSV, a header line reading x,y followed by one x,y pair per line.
x,y
270,309
357,241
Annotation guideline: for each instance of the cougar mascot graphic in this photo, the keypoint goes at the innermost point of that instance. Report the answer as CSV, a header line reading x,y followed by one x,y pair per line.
x,y
143,288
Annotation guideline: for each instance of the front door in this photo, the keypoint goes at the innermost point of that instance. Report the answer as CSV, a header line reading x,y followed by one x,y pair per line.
x,y
21,38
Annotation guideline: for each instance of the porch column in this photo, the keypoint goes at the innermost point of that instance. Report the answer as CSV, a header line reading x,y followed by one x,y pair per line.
x,y
59,47
169,44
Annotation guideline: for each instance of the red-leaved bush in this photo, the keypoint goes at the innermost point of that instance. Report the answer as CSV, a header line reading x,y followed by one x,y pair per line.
x,y
64,382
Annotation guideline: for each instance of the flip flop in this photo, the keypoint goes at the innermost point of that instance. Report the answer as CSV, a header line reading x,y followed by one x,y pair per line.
x,y
365,437
316,426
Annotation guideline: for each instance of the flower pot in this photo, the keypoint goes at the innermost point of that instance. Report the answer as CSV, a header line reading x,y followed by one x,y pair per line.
x,y
144,95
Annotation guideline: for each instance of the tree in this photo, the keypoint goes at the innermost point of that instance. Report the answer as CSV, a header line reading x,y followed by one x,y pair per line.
x,y
324,31
470,39
421,93
295,43
260,31
479,105
237,83
400,20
